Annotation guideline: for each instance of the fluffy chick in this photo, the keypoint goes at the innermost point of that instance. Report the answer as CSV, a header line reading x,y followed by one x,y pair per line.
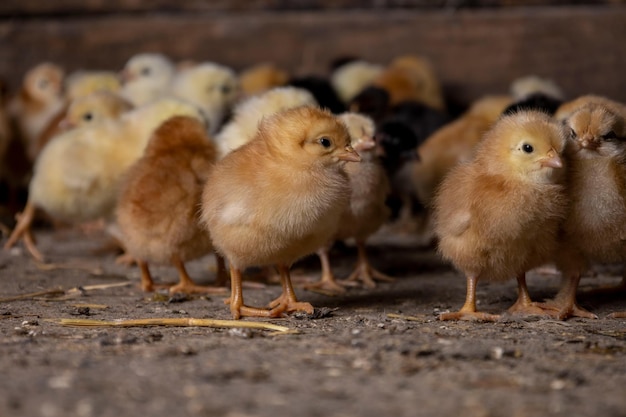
x,y
366,211
350,79
498,216
411,77
322,90
566,109
39,100
83,83
92,108
157,210
76,177
146,77
262,77
595,228
248,114
278,198
210,86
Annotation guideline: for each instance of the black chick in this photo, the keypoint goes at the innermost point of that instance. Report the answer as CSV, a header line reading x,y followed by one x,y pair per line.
x,y
372,102
323,92
537,101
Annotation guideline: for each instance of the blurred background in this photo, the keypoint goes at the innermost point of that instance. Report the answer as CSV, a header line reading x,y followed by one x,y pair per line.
x,y
476,46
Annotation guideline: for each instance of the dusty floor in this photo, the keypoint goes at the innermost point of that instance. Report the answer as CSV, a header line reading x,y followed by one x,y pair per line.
x,y
353,360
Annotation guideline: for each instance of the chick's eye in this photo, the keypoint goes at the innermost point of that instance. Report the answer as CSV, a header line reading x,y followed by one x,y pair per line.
x,y
43,83
325,142
572,133
87,116
145,71
610,136
527,148
226,89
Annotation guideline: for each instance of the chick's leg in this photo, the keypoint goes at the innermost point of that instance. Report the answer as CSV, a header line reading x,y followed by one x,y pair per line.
x,y
364,271
186,284
524,305
222,275
22,231
468,311
237,307
287,300
564,305
327,282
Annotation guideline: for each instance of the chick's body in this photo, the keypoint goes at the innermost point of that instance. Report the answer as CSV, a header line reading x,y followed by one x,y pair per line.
x,y
595,228
278,198
366,210
157,210
497,216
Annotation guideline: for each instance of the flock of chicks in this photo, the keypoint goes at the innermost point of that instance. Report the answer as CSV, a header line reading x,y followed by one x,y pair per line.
x,y
182,160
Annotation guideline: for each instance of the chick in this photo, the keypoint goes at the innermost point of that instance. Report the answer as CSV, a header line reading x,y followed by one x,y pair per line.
x,y
93,108
76,177
350,79
371,101
366,211
157,210
322,90
249,113
262,77
411,77
278,198
497,216
39,100
83,83
146,77
568,108
594,230
523,87
212,87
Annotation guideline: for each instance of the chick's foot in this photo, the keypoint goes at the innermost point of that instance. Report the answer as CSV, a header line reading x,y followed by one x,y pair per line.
x,y
562,310
469,316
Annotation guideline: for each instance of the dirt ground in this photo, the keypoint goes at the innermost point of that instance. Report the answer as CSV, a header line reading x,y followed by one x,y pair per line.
x,y
352,358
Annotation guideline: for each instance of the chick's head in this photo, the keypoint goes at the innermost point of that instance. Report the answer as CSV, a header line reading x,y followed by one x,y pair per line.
x,y
44,82
527,146
361,130
95,107
83,83
597,131
308,136
153,68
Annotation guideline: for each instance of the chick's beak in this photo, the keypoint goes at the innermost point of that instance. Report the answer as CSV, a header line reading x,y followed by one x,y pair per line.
x,y
365,144
349,155
552,160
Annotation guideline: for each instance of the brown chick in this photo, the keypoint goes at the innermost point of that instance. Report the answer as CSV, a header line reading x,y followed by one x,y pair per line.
x,y
367,210
595,228
39,100
157,210
497,216
278,198
262,77
411,77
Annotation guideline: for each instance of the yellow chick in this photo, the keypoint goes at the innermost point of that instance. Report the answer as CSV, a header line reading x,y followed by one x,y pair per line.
x,y
39,100
278,198
95,107
83,83
526,86
262,77
595,228
146,77
350,79
366,211
497,216
212,87
157,210
248,114
568,108
77,175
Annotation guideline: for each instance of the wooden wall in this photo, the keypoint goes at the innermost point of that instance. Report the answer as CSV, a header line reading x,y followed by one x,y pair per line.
x,y
478,46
